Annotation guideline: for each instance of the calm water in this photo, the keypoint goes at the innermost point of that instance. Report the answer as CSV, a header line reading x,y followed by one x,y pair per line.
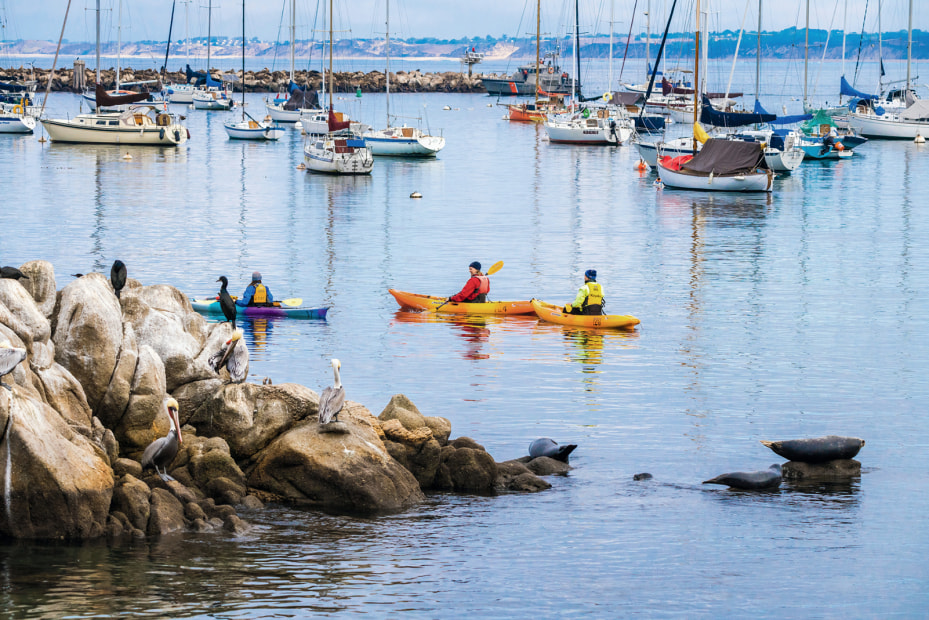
x,y
763,317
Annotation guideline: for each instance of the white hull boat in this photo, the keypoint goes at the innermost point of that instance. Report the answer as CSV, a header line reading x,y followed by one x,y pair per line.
x,y
16,119
317,124
889,126
650,151
180,93
403,142
751,182
592,131
722,165
134,126
252,130
335,154
212,100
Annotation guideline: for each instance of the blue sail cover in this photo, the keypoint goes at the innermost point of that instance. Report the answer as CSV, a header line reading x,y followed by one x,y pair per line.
x,y
847,90
783,120
710,116
203,78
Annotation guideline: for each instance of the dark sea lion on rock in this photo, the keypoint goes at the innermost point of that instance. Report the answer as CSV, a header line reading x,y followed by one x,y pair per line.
x,y
818,449
642,476
549,448
750,480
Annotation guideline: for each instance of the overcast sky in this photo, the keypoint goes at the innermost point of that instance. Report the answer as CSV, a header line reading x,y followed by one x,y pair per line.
x,y
443,19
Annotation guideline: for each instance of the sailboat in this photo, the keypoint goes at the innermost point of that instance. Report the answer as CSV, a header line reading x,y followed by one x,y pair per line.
x,y
143,124
538,112
15,116
211,96
249,128
300,102
339,151
400,141
182,93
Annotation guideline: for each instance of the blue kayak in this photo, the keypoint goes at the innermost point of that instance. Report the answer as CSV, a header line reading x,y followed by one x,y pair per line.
x,y
211,306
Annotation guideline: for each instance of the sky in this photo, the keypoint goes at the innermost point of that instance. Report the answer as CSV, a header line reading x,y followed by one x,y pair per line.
x,y
442,19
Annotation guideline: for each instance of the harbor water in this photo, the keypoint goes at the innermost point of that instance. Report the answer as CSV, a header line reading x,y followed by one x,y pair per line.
x,y
763,317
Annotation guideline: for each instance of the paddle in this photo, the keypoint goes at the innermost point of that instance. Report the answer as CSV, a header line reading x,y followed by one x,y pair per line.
x,y
294,301
493,269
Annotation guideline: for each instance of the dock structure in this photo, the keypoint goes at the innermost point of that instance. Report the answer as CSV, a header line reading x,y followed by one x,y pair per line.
x,y
471,58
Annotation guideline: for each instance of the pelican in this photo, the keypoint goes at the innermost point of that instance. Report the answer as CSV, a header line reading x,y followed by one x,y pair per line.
x,y
162,451
234,356
118,277
225,301
10,357
12,273
332,398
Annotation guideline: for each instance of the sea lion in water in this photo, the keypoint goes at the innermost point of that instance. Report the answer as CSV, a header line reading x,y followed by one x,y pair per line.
x,y
818,449
750,480
549,448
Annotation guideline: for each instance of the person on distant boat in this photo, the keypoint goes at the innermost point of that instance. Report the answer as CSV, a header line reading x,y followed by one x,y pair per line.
x,y
589,298
257,294
476,288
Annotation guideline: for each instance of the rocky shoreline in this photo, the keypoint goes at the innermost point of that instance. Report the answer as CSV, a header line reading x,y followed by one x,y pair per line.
x,y
89,397
265,80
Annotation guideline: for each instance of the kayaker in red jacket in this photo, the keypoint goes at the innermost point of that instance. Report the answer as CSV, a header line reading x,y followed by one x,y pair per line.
x,y
476,288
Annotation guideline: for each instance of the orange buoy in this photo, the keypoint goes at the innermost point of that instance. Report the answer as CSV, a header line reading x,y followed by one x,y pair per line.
x,y
641,166
839,146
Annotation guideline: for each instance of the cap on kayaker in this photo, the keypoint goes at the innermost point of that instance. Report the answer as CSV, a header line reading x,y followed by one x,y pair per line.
x,y
256,276
591,274
475,265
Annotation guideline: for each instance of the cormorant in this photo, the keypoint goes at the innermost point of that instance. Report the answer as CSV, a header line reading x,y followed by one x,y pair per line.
x,y
226,303
118,277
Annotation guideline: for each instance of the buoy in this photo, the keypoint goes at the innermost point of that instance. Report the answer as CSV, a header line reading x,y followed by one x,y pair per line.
x,y
641,166
42,140
301,166
358,92
268,117
127,156
919,139
490,105
448,107
839,147
416,195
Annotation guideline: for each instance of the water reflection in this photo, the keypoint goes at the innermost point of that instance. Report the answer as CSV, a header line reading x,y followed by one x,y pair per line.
x,y
474,330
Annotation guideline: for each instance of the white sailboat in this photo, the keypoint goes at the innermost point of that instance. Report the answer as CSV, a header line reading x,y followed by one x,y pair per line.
x,y
339,151
16,117
249,128
401,141
143,124
287,111
211,97
182,93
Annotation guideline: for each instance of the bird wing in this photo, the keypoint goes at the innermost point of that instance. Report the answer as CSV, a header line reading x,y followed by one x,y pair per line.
x,y
216,358
9,358
148,457
237,365
330,403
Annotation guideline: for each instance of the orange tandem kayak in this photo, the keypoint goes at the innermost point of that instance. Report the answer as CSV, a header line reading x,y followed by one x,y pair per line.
x,y
556,314
431,303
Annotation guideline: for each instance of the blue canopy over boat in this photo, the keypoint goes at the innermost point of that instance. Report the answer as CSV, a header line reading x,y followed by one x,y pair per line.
x,y
847,91
711,116
782,120
203,78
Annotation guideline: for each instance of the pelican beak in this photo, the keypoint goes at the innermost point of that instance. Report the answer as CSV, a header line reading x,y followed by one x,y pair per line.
x,y
230,345
177,423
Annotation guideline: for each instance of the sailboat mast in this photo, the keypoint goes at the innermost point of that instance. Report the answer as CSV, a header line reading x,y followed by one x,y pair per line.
x,y
538,41
209,37
331,77
187,28
880,50
909,45
806,52
119,40
387,51
577,53
648,30
98,41
697,68
758,56
844,24
293,35
610,83
243,60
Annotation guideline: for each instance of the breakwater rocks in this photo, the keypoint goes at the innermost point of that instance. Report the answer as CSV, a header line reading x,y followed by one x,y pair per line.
x,y
89,398
265,80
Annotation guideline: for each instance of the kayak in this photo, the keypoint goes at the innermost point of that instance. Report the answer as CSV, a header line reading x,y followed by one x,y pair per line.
x,y
556,314
431,303
211,306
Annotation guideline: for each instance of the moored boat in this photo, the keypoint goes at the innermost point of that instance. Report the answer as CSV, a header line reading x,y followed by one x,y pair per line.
x,y
556,314
211,306
432,303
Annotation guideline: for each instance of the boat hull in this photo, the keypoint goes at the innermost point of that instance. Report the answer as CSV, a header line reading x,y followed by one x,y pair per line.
x,y
887,127
751,182
237,132
16,123
211,306
425,146
70,131
551,313
431,303
784,161
209,102
279,114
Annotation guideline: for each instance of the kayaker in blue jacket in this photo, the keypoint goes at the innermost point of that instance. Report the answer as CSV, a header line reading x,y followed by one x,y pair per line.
x,y
257,294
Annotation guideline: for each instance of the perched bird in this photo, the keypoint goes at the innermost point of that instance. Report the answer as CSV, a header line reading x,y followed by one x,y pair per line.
x,y
162,451
12,273
551,449
750,480
118,277
234,356
10,357
225,302
332,398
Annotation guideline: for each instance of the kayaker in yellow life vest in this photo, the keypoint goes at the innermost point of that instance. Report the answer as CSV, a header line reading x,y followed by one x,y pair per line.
x,y
589,298
257,294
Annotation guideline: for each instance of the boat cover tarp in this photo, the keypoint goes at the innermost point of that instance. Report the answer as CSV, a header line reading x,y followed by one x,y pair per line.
x,y
625,97
668,88
12,88
302,100
106,100
711,116
202,78
720,156
847,91
817,120
919,111
782,120
335,124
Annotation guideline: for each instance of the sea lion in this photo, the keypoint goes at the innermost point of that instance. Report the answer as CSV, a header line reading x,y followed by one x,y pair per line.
x,y
549,448
818,449
750,480
642,476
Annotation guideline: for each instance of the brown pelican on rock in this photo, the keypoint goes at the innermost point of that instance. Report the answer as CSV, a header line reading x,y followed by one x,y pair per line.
x,y
162,451
331,401
10,357
234,356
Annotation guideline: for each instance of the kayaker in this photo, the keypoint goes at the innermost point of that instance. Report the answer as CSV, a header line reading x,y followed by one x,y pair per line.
x,y
476,288
589,298
257,294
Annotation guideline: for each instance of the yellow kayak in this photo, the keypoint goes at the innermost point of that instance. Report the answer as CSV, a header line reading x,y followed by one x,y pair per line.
x,y
556,314
430,303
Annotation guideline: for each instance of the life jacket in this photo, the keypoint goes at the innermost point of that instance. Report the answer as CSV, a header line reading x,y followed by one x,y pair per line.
x,y
261,294
594,294
484,286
